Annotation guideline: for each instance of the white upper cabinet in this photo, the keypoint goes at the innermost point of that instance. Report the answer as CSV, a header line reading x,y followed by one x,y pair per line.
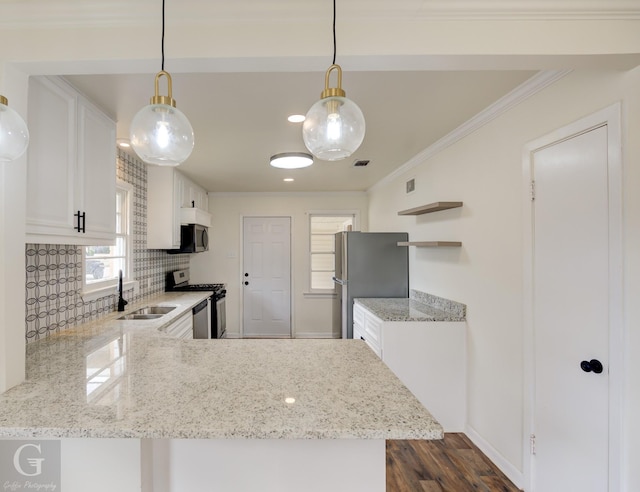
x,y
71,170
193,196
172,200
164,188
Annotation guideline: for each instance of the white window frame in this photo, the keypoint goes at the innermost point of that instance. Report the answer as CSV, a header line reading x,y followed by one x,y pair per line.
x,y
311,292
96,290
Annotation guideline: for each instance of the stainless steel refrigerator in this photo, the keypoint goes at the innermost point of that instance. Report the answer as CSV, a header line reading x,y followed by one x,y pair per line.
x,y
368,264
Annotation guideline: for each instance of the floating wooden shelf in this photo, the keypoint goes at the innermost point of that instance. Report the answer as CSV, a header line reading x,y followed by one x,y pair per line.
x,y
431,244
432,207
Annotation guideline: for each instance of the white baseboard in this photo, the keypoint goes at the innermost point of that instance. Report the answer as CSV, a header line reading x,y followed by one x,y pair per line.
x,y
315,335
297,335
500,461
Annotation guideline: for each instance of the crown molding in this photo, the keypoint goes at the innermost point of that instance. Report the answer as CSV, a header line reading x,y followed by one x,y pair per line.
x,y
524,91
532,10
17,14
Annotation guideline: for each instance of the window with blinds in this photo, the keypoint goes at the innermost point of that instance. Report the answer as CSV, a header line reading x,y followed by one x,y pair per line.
x,y
322,243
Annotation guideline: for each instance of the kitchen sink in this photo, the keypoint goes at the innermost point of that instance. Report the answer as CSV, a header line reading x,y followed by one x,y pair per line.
x,y
149,312
154,310
140,316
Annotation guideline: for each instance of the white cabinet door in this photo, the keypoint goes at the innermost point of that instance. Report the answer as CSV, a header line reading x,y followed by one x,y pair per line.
x,y
163,208
97,168
192,195
51,169
71,167
182,328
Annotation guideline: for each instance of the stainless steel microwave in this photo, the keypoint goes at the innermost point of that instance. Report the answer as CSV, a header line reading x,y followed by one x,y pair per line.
x,y
194,238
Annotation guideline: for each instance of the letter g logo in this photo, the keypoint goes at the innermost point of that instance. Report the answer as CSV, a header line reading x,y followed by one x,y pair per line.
x,y
33,462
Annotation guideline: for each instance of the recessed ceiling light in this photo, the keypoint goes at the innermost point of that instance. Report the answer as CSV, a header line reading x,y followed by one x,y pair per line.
x,y
291,160
288,180
296,118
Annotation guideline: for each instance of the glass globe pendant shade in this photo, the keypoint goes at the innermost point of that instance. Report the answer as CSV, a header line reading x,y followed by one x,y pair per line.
x,y
334,127
160,133
14,134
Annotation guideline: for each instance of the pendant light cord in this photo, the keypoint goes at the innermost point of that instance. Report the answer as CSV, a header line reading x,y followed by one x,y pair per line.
x,y
163,35
334,32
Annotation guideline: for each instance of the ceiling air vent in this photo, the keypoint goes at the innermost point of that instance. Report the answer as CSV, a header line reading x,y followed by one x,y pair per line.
x,y
361,163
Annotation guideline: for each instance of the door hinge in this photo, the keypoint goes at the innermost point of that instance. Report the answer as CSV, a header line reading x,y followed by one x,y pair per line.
x,y
532,443
533,190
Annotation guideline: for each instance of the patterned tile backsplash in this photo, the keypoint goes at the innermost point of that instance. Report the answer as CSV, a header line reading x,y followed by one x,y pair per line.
x,y
54,272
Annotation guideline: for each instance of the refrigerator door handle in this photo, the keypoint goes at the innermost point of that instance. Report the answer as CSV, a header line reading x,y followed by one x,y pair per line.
x,y
339,281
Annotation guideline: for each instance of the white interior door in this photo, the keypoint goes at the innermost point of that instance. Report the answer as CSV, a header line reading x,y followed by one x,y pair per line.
x,y
571,314
267,277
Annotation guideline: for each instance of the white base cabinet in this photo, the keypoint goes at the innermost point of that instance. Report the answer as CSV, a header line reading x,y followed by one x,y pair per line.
x,y
182,328
429,357
71,167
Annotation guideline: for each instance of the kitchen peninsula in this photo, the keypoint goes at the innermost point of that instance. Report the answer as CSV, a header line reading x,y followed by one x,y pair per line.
x,y
325,406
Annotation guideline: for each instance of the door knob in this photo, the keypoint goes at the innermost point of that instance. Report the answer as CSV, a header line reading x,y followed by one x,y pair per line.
x,y
594,365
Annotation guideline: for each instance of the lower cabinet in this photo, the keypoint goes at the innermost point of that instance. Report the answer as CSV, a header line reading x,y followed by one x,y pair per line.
x,y
182,327
429,357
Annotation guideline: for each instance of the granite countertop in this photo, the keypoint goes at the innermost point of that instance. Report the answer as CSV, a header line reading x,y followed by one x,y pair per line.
x,y
127,379
404,309
183,302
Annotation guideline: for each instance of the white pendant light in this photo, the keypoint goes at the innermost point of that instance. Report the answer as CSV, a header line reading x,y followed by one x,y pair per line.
x,y
160,133
14,134
291,160
334,127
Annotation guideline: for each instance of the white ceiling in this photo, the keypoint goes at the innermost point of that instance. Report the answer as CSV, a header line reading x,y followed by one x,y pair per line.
x,y
238,101
240,120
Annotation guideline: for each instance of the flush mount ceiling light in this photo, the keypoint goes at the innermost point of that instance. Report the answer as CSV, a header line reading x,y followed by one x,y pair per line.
x,y
160,133
291,160
296,118
14,134
334,126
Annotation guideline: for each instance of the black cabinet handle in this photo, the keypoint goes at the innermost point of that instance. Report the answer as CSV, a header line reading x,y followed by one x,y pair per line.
x,y
81,221
362,338
594,365
246,283
246,274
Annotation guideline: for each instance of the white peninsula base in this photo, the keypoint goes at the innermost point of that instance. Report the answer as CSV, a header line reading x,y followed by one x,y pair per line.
x,y
268,465
221,465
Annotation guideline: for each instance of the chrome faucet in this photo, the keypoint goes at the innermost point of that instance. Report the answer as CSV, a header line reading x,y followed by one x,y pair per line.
x,y
121,302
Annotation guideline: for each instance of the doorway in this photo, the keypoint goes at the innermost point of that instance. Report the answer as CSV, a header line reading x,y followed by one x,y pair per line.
x,y
266,281
573,279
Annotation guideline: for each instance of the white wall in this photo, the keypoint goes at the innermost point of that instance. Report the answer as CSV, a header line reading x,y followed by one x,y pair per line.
x,y
484,170
311,315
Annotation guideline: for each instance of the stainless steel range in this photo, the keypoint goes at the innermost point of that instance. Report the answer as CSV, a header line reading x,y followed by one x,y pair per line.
x,y
179,281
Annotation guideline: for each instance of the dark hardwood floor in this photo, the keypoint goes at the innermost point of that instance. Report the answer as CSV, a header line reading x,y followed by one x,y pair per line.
x,y
454,464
